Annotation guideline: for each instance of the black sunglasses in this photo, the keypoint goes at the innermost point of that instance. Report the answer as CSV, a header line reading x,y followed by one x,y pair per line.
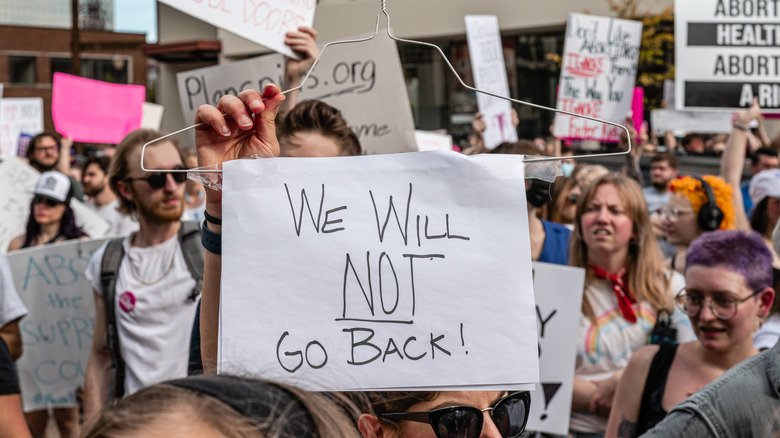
x,y
156,180
509,414
48,201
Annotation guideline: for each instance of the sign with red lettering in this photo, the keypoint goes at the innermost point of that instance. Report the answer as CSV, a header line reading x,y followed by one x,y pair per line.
x,y
597,76
262,21
726,53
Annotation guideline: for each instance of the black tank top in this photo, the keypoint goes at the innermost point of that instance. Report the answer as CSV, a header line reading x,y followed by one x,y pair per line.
x,y
651,412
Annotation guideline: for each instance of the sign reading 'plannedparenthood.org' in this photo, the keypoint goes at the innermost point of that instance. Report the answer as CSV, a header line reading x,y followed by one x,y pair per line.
x,y
726,53
389,271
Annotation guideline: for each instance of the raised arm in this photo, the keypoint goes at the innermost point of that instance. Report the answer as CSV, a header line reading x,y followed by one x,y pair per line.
x,y
240,126
304,43
733,160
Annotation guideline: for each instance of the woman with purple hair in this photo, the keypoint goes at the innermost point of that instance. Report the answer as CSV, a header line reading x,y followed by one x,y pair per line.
x,y
728,276
51,220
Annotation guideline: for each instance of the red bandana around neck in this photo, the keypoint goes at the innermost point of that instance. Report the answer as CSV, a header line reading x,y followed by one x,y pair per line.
x,y
622,292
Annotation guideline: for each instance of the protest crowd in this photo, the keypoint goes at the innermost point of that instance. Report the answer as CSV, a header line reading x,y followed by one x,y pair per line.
x,y
676,334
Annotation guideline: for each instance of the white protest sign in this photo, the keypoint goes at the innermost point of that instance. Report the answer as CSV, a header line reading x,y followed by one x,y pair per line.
x,y
19,115
433,141
151,116
558,292
264,22
690,121
597,76
17,183
364,81
57,331
392,271
726,53
487,66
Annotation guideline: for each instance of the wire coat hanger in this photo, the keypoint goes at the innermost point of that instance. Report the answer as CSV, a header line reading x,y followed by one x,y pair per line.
x,y
383,11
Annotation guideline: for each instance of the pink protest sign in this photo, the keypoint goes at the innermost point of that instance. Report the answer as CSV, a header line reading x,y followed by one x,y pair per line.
x,y
94,111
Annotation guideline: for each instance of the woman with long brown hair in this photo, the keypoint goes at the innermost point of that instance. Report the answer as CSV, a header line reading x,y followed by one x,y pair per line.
x,y
626,287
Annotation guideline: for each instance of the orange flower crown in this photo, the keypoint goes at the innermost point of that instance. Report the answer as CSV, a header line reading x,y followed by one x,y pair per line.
x,y
692,189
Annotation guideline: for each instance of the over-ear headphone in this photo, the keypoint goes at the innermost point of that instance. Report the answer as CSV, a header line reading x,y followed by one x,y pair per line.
x,y
710,215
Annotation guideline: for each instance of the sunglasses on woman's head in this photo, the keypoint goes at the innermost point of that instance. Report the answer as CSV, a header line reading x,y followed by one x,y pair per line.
x,y
156,180
509,415
48,201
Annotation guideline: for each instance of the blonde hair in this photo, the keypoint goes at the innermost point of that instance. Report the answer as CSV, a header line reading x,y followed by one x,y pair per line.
x,y
647,277
692,189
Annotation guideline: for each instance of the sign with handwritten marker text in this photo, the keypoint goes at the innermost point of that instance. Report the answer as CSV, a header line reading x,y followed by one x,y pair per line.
x,y
57,331
264,22
18,116
487,66
364,81
558,292
597,76
378,272
95,111
17,183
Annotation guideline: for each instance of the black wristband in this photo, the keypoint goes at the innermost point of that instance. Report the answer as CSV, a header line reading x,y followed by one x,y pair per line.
x,y
211,241
212,219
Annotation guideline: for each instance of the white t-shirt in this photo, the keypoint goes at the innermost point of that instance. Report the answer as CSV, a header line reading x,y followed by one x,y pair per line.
x,y
120,224
767,335
155,319
11,306
607,346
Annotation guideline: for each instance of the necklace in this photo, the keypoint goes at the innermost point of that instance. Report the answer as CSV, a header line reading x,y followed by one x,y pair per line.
x,y
150,283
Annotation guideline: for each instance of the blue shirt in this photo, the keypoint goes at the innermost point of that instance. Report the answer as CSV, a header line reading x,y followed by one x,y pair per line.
x,y
556,244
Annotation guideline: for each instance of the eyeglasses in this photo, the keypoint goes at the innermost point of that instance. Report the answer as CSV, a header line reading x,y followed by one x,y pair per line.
x,y
157,180
48,201
509,415
673,213
724,308
573,198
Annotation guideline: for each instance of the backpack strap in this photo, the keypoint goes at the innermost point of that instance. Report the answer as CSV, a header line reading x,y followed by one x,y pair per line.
x,y
109,270
189,239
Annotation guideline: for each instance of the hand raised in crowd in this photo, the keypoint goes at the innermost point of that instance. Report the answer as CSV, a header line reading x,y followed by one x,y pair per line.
x,y
240,126
304,43
478,124
745,116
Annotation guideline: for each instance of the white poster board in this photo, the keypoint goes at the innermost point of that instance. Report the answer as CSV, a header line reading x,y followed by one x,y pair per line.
x,y
726,53
364,81
487,66
690,121
264,22
433,141
558,292
19,115
17,183
597,76
412,271
151,116
57,331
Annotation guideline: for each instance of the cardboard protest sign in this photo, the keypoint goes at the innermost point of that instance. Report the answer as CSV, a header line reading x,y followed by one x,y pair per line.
x,y
17,183
57,331
18,116
262,21
726,53
558,292
597,77
95,111
364,81
393,271
487,66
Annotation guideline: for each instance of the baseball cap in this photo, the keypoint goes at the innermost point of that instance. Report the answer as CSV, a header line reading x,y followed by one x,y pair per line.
x,y
765,184
54,185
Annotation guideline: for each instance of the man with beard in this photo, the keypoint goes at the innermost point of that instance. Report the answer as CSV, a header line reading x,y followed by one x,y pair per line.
x,y
43,154
143,325
102,199
663,169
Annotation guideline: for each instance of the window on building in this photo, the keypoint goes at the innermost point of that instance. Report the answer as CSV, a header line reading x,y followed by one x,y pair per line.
x,y
60,65
21,69
108,70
